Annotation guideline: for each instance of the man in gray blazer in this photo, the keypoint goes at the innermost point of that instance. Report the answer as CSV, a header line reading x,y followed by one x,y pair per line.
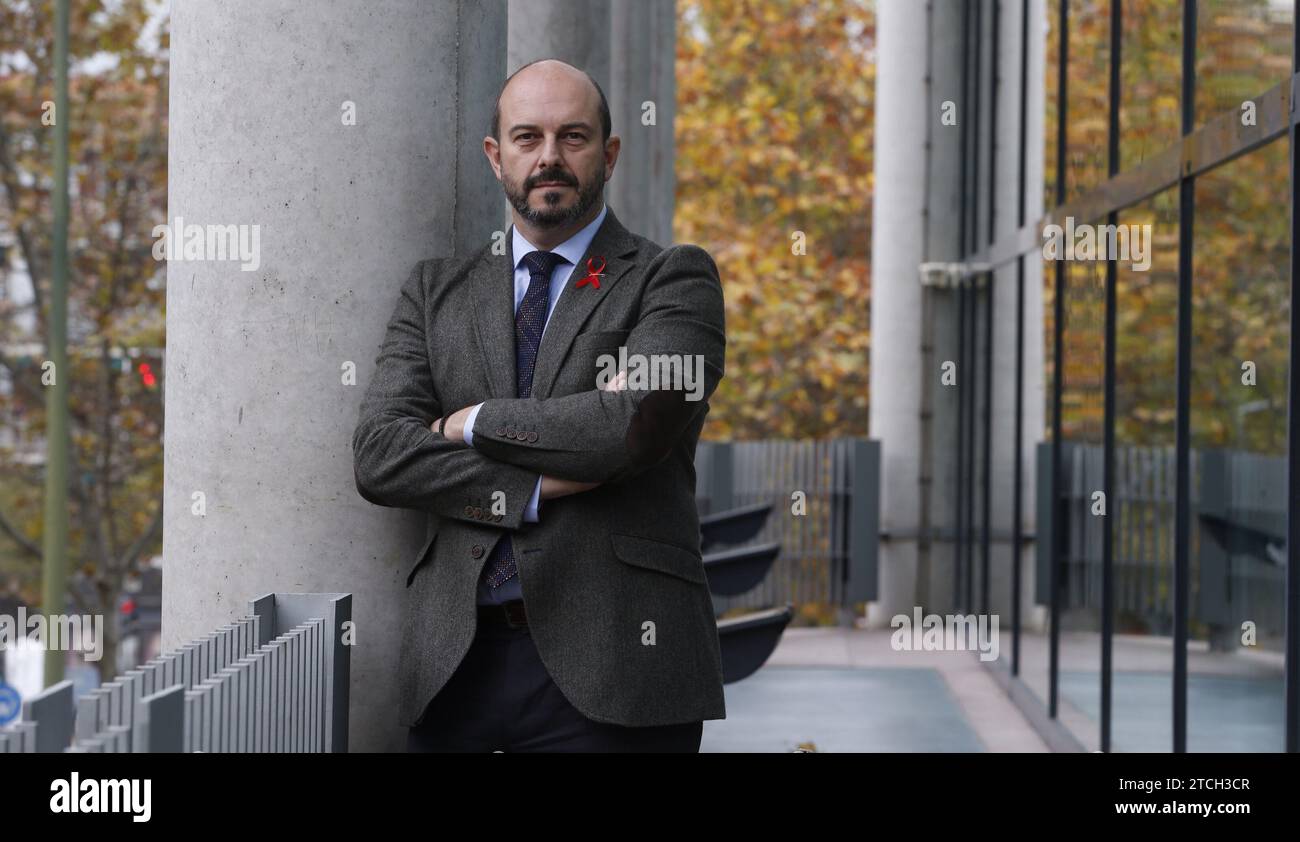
x,y
543,407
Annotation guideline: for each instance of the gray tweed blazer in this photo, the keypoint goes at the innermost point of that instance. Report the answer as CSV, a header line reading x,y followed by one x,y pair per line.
x,y
612,578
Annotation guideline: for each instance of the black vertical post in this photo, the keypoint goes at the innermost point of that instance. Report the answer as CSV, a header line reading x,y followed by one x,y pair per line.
x,y
959,492
964,116
1018,422
968,500
988,440
959,509
994,80
972,337
1182,520
1108,423
1292,669
988,311
1058,309
977,33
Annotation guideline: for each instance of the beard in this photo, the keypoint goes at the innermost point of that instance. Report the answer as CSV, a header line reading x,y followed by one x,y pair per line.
x,y
552,216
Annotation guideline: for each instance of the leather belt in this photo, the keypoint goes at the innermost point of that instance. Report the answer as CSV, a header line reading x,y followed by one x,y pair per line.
x,y
509,614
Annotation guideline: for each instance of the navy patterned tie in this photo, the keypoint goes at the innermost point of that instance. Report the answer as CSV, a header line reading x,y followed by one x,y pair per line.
x,y
529,321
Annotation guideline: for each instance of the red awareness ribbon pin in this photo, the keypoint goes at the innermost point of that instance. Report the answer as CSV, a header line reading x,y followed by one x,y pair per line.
x,y
593,272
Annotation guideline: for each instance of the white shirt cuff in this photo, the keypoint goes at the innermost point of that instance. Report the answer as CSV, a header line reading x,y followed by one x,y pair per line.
x,y
469,425
531,514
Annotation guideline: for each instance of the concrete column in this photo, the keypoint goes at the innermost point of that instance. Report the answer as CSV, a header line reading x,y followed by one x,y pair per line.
x,y
576,31
898,248
643,89
266,368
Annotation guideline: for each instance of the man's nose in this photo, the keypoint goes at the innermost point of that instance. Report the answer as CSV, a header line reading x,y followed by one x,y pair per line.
x,y
550,154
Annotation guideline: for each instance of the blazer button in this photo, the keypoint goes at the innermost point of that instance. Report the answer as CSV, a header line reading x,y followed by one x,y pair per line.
x,y
476,551
469,511
478,512
532,436
510,432
501,431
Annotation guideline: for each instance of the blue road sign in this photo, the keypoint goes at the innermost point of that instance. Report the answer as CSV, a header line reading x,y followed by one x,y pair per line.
x,y
11,704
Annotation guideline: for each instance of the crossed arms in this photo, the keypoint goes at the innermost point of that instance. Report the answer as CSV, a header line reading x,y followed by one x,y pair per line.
x,y
596,436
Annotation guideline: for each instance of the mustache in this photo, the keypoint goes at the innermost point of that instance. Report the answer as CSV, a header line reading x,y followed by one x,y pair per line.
x,y
561,177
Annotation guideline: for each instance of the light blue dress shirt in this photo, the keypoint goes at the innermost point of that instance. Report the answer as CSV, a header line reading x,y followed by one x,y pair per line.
x,y
572,251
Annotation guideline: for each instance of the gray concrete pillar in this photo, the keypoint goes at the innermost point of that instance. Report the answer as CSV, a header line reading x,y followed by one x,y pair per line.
x,y
576,31
266,368
643,99
897,251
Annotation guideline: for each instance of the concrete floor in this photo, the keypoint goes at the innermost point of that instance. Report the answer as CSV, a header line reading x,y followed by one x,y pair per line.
x,y
848,690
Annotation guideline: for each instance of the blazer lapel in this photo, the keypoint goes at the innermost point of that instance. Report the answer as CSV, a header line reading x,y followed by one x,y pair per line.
x,y
494,322
492,279
612,242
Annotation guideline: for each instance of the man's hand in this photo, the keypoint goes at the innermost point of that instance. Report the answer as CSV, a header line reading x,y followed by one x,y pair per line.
x,y
552,487
455,428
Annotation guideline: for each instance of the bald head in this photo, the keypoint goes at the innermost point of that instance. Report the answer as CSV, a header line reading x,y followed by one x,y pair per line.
x,y
551,86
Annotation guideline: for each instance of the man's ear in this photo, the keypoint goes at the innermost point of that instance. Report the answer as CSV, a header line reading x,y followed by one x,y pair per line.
x,y
612,147
492,150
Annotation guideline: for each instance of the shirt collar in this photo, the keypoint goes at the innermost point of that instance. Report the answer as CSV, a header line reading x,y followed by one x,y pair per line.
x,y
571,249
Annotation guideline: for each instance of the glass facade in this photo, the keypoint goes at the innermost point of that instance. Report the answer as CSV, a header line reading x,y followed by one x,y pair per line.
x,y
1157,539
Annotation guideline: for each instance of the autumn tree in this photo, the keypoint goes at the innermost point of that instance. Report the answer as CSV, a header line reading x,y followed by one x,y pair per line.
x,y
774,177
117,127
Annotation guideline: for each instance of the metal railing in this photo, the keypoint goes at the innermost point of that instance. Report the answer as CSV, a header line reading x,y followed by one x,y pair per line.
x,y
275,680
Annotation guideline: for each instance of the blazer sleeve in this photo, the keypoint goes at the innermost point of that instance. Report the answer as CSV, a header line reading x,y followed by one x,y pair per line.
x,y
601,436
398,460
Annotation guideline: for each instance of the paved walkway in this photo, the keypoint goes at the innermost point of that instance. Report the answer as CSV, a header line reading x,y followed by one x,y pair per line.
x,y
1235,700
847,690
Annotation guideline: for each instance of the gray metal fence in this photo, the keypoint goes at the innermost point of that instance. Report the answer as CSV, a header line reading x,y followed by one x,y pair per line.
x,y
275,680
1238,505
828,552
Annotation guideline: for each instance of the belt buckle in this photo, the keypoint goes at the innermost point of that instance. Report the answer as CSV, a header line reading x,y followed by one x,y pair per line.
x,y
514,614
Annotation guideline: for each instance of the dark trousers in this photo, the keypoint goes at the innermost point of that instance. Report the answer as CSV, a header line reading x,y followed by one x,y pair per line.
x,y
502,698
